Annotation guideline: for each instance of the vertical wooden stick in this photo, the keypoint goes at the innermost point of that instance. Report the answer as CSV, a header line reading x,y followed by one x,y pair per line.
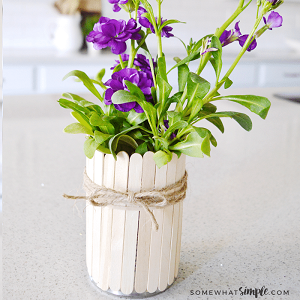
x,y
117,237
145,225
167,229
98,176
89,219
156,236
176,214
131,225
181,171
106,225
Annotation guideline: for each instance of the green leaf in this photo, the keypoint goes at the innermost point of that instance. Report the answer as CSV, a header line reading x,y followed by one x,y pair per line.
x,y
257,104
174,117
149,9
191,146
99,76
168,22
217,56
183,73
241,118
209,107
103,149
162,81
122,96
177,125
197,87
75,128
142,148
101,137
214,120
228,83
192,56
134,90
161,158
205,135
69,104
196,106
113,142
89,147
135,118
82,119
129,141
86,81
103,123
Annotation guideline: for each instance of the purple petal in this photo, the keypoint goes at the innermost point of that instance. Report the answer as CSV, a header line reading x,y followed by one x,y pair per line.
x,y
117,47
274,20
125,107
116,8
113,1
242,40
138,108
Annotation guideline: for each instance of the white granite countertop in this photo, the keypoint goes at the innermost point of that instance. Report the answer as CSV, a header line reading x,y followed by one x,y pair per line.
x,y
241,215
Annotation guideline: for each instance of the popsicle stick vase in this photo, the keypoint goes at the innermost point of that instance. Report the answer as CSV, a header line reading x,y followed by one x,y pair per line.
x,y
125,254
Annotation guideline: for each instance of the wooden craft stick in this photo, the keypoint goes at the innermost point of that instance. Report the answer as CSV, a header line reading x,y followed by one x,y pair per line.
x,y
167,229
131,226
106,225
145,226
118,225
98,176
89,220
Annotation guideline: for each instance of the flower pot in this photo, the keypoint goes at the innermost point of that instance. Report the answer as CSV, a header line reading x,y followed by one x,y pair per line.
x,y
68,36
125,254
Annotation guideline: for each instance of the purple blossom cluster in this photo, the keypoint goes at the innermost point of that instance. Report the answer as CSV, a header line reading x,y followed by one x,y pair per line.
x,y
228,36
141,79
113,33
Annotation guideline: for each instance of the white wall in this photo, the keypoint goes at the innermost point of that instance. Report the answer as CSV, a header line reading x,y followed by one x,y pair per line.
x,y
30,23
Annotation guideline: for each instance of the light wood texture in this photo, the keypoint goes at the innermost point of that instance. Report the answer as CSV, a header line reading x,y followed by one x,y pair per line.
x,y
176,215
89,220
98,179
156,236
180,174
167,229
106,225
145,226
118,225
131,226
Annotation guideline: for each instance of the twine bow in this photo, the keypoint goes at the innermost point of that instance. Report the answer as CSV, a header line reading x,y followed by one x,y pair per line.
x,y
102,196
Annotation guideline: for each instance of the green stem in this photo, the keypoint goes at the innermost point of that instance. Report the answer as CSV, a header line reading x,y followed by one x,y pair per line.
x,y
242,52
121,61
158,35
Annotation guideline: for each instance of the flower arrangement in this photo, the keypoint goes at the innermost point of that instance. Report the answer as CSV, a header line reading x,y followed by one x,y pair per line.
x,y
138,109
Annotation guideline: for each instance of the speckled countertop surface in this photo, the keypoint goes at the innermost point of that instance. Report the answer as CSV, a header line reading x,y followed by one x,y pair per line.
x,y
241,223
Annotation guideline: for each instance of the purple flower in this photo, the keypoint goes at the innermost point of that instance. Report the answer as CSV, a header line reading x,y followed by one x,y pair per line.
x,y
113,33
274,20
229,36
140,61
117,82
273,2
173,135
242,40
166,31
117,3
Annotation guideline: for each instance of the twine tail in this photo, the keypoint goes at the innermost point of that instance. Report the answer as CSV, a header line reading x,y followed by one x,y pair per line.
x,y
150,213
74,197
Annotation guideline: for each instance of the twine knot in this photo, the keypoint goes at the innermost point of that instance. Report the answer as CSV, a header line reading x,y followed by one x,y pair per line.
x,y
102,196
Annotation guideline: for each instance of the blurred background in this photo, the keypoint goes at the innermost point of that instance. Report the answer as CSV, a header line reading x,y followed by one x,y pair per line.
x,y
43,40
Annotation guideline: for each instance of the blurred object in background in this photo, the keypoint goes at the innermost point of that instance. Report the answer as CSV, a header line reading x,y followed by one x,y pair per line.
x,y
67,35
88,21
